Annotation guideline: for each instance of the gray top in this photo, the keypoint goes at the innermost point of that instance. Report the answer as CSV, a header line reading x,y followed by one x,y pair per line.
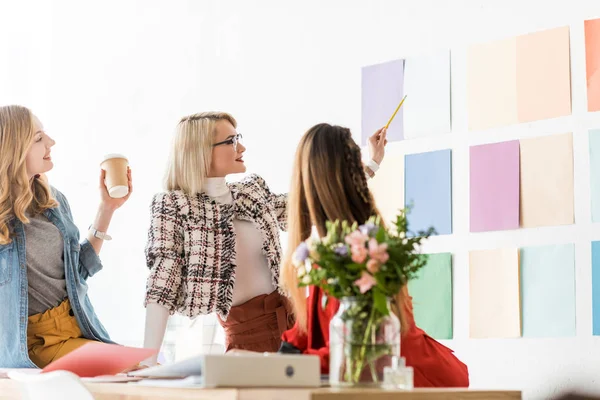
x,y
45,264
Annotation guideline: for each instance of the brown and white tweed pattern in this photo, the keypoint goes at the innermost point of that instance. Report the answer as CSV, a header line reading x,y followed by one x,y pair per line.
x,y
191,245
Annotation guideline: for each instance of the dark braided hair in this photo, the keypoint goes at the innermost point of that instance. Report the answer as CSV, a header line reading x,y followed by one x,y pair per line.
x,y
354,164
329,184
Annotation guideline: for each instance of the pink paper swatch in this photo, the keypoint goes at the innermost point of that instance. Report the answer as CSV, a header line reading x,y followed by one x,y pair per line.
x,y
96,358
495,186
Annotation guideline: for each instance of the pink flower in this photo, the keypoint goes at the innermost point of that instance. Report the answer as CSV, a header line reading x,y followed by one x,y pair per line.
x,y
357,238
373,265
378,251
359,253
365,283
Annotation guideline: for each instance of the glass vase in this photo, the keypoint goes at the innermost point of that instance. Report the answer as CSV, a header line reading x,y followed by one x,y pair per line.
x,y
363,341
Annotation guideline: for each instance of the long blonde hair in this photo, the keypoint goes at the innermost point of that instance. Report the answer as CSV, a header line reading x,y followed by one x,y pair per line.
x,y
18,193
191,151
328,184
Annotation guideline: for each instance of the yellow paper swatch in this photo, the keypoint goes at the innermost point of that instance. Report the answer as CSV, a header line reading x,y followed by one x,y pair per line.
x,y
494,294
491,84
387,187
547,181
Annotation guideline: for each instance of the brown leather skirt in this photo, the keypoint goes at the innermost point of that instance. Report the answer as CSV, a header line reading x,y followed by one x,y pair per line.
x,y
257,324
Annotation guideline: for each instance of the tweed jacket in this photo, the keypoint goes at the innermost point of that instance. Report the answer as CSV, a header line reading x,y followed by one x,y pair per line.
x,y
191,245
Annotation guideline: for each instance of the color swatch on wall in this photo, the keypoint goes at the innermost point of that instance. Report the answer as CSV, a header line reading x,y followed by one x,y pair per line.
x,y
387,187
544,75
494,186
595,174
425,79
596,288
428,189
592,62
491,84
520,79
548,290
382,90
494,294
427,85
547,181
432,296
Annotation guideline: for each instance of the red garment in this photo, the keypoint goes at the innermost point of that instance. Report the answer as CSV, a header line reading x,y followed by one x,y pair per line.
x,y
257,325
434,364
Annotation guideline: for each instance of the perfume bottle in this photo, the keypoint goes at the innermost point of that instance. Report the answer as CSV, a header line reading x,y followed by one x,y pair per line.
x,y
398,375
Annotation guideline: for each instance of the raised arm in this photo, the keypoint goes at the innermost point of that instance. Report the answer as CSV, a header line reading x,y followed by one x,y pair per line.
x,y
106,209
376,143
278,201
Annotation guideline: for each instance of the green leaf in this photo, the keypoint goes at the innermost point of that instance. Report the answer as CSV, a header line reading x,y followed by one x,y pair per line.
x,y
355,267
380,237
380,302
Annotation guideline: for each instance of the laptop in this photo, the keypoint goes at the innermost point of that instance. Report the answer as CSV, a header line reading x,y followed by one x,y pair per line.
x,y
241,370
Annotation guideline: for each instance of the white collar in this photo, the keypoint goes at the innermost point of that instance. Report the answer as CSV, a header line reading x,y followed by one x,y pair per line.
x,y
215,187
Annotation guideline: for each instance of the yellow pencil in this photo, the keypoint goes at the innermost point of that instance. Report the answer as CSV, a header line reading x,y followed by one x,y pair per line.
x,y
393,115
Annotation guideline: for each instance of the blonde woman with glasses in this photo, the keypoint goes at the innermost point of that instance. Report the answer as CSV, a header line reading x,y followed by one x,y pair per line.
x,y
213,247
45,312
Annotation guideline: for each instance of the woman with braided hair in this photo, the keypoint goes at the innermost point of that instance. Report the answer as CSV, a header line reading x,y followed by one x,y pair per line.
x,y
328,184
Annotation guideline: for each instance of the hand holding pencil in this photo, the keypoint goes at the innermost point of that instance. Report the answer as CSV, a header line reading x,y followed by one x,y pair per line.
x,y
377,143
378,140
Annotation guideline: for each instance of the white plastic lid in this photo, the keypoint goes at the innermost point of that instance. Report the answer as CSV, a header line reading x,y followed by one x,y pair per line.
x,y
116,192
113,155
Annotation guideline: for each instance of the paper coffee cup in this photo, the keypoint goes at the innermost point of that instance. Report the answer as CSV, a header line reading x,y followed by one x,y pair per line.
x,y
116,180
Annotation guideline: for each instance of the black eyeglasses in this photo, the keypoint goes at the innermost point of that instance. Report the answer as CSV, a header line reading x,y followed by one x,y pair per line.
x,y
234,141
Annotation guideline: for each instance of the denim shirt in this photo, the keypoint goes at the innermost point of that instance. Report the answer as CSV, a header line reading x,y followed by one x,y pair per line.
x,y
80,261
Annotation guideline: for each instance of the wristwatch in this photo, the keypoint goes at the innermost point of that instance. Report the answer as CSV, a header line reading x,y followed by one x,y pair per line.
x,y
99,235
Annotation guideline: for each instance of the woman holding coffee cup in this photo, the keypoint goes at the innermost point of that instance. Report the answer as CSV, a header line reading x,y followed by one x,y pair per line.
x,y
46,311
214,246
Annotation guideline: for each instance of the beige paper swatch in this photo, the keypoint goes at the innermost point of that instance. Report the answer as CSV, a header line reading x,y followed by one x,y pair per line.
x,y
547,181
387,187
494,294
491,84
543,75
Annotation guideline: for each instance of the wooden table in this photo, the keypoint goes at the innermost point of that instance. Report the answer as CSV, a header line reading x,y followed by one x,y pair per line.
x,y
121,391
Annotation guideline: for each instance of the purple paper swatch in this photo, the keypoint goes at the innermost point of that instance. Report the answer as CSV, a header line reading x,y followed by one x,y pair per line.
x,y
382,90
495,186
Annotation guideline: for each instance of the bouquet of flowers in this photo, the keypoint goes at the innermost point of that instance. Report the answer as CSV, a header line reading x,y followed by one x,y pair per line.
x,y
369,264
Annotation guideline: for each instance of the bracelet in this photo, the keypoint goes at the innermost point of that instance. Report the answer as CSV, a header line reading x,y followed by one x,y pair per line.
x,y
373,166
99,235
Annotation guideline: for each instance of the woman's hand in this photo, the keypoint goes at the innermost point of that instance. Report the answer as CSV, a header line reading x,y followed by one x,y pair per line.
x,y
136,367
107,207
377,144
107,202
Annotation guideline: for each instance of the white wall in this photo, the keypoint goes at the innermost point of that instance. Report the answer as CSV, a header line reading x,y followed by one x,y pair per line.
x,y
116,75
